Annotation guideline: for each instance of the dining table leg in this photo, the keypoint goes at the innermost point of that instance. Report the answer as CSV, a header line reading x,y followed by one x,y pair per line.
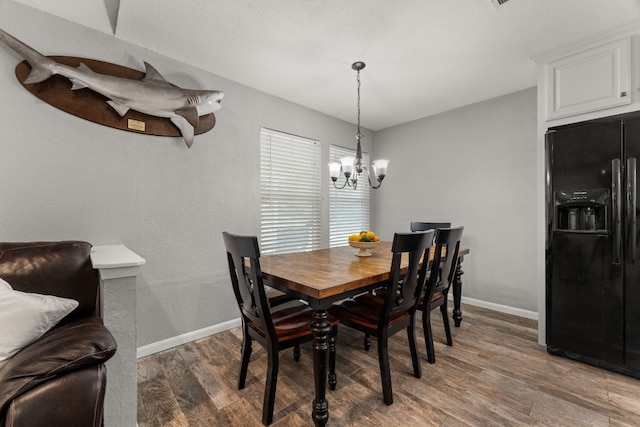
x,y
457,293
321,328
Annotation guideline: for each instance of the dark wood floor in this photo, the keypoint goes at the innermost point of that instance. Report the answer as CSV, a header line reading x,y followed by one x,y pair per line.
x,y
494,375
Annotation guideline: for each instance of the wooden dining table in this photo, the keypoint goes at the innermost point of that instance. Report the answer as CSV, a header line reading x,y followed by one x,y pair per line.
x,y
322,277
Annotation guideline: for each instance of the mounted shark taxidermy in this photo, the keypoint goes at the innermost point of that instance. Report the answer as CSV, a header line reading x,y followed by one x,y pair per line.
x,y
125,90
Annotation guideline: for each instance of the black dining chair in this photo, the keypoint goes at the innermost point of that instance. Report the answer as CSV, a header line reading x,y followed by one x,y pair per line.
x,y
275,328
384,316
441,274
422,226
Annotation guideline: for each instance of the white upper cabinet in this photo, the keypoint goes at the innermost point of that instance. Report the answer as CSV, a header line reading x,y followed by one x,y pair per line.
x,y
590,80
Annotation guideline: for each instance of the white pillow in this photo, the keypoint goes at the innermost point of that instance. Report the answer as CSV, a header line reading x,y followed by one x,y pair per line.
x,y
25,317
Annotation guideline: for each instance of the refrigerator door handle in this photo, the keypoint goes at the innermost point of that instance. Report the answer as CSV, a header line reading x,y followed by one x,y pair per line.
x,y
616,209
631,208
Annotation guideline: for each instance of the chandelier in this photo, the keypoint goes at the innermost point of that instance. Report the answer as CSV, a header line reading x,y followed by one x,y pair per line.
x,y
352,167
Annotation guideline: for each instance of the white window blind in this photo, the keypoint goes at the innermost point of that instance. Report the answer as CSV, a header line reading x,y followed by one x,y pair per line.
x,y
349,209
290,208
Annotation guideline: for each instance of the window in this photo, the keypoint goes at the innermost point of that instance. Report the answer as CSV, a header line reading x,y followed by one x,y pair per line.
x,y
349,209
290,197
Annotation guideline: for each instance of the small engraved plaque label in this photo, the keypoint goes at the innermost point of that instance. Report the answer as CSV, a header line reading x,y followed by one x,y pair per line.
x,y
136,125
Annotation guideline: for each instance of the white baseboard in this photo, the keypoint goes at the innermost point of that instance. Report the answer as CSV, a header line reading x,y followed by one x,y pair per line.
x,y
156,347
500,308
221,327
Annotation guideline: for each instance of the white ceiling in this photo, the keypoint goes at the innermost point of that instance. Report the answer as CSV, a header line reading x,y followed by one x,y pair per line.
x,y
423,56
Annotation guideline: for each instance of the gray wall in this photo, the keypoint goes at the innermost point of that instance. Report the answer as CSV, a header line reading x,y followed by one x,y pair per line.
x,y
474,166
66,178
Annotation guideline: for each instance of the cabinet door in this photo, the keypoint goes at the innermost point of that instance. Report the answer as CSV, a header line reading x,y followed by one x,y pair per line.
x,y
590,80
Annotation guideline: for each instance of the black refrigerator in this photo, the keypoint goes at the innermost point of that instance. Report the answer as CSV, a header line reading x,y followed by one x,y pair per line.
x,y
592,245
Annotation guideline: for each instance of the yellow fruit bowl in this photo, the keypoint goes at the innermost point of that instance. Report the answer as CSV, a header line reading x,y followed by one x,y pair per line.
x,y
363,247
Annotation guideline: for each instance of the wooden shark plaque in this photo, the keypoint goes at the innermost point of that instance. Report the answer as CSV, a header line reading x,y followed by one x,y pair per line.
x,y
92,106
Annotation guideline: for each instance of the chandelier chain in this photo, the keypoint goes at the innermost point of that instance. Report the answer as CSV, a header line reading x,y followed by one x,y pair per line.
x,y
358,135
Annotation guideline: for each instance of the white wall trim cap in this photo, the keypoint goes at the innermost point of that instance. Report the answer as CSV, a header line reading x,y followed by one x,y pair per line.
x,y
115,261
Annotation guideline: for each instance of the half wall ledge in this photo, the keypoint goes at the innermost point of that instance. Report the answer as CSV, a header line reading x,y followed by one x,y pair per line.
x,y
119,266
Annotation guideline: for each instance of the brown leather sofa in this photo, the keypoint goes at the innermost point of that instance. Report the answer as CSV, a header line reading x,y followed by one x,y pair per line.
x,y
60,379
